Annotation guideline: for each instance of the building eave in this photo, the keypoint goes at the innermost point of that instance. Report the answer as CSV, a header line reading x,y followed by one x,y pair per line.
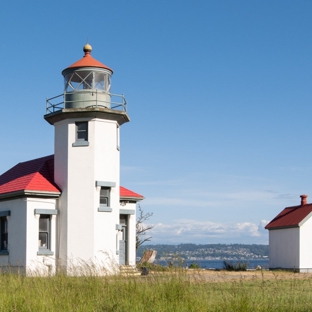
x,y
25,193
136,199
282,227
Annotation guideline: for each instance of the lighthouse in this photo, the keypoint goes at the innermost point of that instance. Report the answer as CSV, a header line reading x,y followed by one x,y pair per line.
x,y
87,163
68,210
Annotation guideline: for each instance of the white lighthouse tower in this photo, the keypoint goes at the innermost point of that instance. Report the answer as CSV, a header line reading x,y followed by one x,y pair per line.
x,y
87,165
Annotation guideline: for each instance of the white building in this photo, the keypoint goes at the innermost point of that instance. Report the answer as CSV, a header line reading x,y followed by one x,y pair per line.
x,y
68,209
290,232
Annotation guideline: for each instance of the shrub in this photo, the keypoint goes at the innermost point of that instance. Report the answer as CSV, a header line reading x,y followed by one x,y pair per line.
x,y
240,266
194,266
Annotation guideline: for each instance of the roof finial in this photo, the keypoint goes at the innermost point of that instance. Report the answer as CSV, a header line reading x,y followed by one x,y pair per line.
x,y
87,48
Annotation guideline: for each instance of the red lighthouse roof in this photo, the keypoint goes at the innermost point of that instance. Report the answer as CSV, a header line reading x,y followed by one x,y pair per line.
x,y
88,61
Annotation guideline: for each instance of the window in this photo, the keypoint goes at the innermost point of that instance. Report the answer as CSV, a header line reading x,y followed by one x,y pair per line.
x,y
117,138
4,233
4,247
44,232
105,194
104,197
81,134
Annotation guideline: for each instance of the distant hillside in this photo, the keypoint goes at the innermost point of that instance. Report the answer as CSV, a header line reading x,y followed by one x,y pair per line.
x,y
208,251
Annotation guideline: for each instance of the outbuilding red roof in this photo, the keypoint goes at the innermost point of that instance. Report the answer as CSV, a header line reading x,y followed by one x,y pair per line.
x,y
290,217
37,175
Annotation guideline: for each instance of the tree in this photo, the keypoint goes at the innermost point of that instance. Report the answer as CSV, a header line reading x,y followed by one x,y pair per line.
x,y
142,228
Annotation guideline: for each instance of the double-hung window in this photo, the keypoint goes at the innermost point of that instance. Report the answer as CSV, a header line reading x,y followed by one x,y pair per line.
x,y
81,129
45,231
105,195
4,232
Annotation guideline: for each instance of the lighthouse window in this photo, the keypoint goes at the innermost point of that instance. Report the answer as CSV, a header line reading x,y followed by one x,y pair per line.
x,y
99,81
81,134
82,131
104,197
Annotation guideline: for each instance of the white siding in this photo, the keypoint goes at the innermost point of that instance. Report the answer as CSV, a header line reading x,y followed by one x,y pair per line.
x,y
306,246
131,237
16,232
284,248
33,261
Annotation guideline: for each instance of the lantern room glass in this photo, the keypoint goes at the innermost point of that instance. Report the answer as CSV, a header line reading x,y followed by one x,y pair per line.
x,y
87,80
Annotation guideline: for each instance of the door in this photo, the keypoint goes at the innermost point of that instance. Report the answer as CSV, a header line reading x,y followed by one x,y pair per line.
x,y
123,240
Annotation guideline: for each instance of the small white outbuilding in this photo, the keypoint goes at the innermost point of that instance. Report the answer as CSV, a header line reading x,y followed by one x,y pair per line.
x,y
68,210
290,244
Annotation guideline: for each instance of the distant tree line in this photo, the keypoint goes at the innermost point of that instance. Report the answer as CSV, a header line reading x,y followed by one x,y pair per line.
x,y
207,250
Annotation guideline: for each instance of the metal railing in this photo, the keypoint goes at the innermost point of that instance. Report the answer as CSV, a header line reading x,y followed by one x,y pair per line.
x,y
56,103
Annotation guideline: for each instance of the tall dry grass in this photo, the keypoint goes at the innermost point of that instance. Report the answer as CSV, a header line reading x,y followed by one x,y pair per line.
x,y
166,291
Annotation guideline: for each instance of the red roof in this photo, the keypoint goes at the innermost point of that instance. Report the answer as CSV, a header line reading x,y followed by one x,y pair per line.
x,y
125,193
34,175
88,61
37,175
290,217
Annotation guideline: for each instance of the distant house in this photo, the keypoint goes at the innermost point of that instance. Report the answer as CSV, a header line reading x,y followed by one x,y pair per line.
x,y
68,209
290,232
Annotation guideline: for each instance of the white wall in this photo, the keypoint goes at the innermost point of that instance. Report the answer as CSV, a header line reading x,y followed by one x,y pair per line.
x,y
106,168
16,232
131,256
85,233
33,261
23,232
306,245
284,248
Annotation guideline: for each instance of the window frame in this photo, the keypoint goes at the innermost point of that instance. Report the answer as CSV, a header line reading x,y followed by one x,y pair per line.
x,y
46,231
81,141
104,194
107,186
45,214
4,237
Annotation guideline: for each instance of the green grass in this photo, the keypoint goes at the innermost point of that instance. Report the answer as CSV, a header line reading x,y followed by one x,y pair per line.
x,y
174,291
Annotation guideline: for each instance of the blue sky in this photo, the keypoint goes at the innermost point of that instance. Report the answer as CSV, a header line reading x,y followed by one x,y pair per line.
x,y
219,96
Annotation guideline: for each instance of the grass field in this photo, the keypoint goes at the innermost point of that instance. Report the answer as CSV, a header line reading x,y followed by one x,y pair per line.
x,y
170,291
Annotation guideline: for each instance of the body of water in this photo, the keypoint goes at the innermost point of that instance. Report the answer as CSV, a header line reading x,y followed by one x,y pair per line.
x,y
218,264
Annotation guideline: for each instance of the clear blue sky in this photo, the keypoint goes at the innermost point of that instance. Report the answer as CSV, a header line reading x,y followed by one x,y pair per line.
x,y
219,95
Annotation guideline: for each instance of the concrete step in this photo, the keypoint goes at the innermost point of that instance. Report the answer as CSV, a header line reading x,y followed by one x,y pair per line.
x,y
128,270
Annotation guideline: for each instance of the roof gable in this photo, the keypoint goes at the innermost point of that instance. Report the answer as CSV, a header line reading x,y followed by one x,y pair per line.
x,y
127,194
290,217
34,175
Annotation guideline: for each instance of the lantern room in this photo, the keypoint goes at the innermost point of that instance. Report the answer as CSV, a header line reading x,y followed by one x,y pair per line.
x,y
87,83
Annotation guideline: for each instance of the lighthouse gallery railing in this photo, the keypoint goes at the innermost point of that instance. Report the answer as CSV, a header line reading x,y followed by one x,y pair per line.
x,y
117,101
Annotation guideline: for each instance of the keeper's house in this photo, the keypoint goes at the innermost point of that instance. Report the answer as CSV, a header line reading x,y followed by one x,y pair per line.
x,y
290,244
68,209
